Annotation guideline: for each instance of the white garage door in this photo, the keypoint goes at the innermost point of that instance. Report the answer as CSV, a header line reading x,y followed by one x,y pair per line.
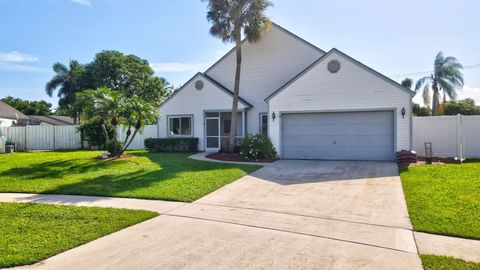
x,y
338,136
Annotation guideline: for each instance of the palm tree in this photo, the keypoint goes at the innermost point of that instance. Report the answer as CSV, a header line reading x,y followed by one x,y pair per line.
x,y
447,77
67,81
103,105
228,18
137,113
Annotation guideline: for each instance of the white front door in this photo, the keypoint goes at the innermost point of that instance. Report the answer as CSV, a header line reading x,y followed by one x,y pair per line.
x,y
212,134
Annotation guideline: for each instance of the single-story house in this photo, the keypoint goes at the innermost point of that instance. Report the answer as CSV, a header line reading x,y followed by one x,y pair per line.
x,y
51,120
311,103
10,116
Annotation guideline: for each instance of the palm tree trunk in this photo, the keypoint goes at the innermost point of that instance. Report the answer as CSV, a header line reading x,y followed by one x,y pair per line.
x,y
236,90
435,100
128,144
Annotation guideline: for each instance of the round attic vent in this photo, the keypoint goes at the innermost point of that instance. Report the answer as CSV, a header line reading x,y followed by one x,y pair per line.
x,y
199,85
333,66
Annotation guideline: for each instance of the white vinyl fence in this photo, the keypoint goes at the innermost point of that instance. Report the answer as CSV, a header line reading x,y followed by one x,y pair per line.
x,y
451,136
43,137
150,131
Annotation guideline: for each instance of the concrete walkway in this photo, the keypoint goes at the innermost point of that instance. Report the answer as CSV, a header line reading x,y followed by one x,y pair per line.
x,y
466,249
136,204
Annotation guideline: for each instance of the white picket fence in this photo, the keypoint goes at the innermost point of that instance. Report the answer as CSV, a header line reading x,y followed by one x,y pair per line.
x,y
43,137
451,136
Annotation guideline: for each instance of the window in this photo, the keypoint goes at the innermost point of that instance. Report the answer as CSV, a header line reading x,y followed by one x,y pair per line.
x,y
264,124
180,125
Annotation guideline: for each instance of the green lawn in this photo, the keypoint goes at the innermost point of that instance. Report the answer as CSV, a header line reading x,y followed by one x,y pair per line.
x,y
34,232
151,176
431,262
444,199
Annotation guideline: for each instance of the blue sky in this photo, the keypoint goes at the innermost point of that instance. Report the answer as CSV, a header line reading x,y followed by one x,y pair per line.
x,y
397,38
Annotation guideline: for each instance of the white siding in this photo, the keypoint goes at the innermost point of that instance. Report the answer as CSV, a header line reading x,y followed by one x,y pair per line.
x,y
352,88
266,66
190,101
4,122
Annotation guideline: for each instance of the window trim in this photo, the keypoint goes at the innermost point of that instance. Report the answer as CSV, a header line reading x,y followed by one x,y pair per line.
x,y
260,123
180,116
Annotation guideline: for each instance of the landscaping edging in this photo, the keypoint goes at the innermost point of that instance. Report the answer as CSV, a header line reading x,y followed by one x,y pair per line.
x,y
202,157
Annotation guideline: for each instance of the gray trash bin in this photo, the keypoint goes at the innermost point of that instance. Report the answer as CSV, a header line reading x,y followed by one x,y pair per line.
x,y
10,147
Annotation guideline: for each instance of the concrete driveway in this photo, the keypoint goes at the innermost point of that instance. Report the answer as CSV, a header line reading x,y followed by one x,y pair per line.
x,y
289,215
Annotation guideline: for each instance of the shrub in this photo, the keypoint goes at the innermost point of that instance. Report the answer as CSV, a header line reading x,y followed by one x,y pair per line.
x,y
92,133
187,145
114,147
255,147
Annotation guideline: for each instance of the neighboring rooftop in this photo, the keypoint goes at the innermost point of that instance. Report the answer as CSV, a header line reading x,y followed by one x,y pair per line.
x,y
8,112
51,120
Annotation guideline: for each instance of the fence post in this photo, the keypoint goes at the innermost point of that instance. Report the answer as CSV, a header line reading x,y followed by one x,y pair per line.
x,y
54,137
460,139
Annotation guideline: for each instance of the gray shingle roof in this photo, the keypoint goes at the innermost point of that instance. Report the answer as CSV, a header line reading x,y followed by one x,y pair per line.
x,y
7,111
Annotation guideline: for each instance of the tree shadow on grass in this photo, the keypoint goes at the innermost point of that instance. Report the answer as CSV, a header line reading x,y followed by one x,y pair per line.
x,y
175,177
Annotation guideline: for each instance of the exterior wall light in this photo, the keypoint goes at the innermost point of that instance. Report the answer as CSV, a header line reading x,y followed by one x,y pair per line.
x,y
403,112
273,116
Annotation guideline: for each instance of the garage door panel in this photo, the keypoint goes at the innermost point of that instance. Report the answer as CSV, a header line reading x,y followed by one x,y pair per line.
x,y
348,136
329,130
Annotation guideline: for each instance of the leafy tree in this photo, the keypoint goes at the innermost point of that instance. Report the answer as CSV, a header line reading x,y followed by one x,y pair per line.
x,y
407,83
128,74
29,107
463,107
418,110
228,18
68,81
446,78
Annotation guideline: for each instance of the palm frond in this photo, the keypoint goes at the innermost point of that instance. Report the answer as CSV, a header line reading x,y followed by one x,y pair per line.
x,y
448,89
53,84
59,68
421,82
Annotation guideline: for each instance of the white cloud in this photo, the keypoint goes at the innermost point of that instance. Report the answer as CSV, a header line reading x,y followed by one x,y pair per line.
x,y
11,67
86,3
177,67
17,57
470,92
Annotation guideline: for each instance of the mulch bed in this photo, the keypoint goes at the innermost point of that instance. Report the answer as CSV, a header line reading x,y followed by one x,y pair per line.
x,y
235,157
435,161
114,157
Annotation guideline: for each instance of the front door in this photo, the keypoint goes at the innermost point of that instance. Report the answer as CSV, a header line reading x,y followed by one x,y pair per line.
x,y
212,134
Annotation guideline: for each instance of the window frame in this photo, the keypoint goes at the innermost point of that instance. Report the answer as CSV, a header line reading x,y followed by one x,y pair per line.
x,y
179,116
260,116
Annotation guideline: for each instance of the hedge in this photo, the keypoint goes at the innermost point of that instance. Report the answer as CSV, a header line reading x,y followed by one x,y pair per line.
x,y
187,145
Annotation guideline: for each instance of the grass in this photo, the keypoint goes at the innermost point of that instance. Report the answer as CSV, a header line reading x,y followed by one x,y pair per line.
x,y
34,232
431,262
444,199
172,177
